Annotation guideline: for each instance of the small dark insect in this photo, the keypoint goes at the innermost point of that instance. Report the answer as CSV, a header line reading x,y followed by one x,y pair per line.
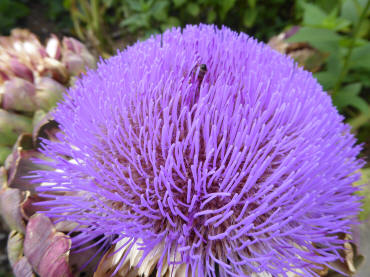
x,y
196,77
202,71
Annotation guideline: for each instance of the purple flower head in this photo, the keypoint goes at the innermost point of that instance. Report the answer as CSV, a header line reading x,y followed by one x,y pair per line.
x,y
207,151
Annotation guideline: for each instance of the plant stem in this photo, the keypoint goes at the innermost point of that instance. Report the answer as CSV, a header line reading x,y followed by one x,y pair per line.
x,y
347,58
359,121
76,22
104,42
95,15
86,9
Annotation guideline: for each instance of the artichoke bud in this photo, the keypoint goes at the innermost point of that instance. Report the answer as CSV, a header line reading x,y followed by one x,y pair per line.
x,y
45,248
74,63
19,95
44,127
73,45
54,69
12,125
48,92
3,76
20,264
21,70
23,42
53,47
11,200
76,56
15,247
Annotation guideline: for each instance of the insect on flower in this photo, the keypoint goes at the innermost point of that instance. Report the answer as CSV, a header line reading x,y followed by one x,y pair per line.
x,y
196,77
198,71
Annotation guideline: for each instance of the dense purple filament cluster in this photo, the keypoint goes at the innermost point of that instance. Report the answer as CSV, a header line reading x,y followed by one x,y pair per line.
x,y
248,167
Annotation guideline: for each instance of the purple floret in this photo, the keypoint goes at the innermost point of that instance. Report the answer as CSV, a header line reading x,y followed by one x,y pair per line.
x,y
211,143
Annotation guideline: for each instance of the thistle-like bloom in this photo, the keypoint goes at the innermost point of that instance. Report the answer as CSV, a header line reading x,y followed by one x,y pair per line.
x,y
201,151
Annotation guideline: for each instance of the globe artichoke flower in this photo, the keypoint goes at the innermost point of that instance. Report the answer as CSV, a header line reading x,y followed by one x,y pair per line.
x,y
34,77
201,152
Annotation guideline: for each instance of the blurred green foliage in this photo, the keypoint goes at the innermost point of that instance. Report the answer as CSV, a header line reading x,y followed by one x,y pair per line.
x,y
90,19
141,18
150,16
342,30
365,193
13,13
10,12
56,12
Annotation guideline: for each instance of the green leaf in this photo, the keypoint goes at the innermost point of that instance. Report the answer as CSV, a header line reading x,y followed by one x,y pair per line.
x,y
146,5
326,78
359,121
353,89
211,16
252,3
149,32
173,21
323,39
313,15
10,12
360,5
4,153
349,11
67,4
365,192
336,24
364,29
136,22
361,57
327,5
159,10
359,75
170,22
108,3
348,96
55,9
178,3
334,64
226,5
249,17
193,9
329,77
136,6
347,41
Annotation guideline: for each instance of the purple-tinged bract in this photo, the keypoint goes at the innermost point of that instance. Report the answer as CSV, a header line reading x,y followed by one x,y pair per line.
x,y
213,146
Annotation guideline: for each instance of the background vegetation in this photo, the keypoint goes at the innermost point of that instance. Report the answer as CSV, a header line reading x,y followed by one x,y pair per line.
x,y
338,29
